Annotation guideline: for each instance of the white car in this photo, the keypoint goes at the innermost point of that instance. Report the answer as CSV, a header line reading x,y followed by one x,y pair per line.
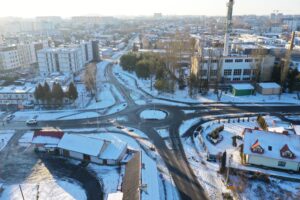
x,y
31,122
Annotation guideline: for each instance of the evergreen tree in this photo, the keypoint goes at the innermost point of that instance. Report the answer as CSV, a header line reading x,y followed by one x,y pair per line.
x,y
57,93
47,93
39,92
72,92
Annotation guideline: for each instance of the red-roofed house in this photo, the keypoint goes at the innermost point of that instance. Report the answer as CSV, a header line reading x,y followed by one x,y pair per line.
x,y
47,139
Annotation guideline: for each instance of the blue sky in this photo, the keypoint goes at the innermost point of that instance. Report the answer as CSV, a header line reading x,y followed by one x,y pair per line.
x,y
67,8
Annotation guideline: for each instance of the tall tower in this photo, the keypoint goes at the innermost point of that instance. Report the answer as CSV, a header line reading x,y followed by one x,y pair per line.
x,y
228,27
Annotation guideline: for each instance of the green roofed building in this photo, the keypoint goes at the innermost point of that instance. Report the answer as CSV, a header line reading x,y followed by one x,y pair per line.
x,y
242,89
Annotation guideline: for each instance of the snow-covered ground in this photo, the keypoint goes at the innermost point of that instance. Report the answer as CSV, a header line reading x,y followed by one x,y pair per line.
x,y
105,98
188,124
149,172
5,136
26,139
109,175
164,133
56,190
183,95
206,172
153,114
246,188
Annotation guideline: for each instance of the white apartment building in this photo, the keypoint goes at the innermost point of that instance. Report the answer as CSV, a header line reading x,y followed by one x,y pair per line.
x,y
87,51
240,68
67,59
27,54
9,58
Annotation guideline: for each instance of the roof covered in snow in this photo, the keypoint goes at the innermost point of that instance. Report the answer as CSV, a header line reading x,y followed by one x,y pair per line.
x,y
242,86
81,144
269,85
276,142
45,140
115,196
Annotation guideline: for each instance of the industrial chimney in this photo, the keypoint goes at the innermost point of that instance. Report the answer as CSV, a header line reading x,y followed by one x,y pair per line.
x,y
228,27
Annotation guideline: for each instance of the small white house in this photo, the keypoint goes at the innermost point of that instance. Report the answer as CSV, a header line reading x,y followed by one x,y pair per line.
x,y
274,150
91,149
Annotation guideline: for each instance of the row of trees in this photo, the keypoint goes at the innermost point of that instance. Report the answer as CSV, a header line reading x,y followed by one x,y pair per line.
x,y
149,66
55,95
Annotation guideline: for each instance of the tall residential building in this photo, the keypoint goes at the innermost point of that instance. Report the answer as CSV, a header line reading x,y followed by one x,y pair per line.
x,y
87,51
63,59
9,58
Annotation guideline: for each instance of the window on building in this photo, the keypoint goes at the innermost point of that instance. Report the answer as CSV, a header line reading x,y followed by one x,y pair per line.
x,y
213,72
227,72
204,72
248,60
281,163
214,61
238,60
270,148
236,79
228,60
246,79
247,72
237,72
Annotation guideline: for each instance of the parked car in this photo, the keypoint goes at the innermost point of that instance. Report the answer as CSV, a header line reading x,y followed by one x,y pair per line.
x,y
9,117
31,122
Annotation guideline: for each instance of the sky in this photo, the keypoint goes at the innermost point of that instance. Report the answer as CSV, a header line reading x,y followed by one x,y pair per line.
x,y
68,8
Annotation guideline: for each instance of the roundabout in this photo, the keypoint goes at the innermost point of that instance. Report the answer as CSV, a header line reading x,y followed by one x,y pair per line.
x,y
151,114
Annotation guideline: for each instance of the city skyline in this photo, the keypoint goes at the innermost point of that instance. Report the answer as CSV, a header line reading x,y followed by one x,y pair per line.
x,y
144,8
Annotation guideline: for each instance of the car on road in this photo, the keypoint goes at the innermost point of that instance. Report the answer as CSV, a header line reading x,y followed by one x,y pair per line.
x,y
32,122
9,117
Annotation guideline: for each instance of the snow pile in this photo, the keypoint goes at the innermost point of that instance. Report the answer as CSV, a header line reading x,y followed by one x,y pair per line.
x,y
153,114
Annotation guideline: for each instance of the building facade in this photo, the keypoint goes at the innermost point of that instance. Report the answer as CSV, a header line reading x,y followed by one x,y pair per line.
x,y
68,59
16,95
9,58
239,68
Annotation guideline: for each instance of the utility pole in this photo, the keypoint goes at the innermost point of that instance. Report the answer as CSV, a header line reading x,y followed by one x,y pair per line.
x,y
21,192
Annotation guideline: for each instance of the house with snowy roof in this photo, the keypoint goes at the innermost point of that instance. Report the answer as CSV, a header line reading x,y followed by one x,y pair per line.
x,y
90,149
270,149
80,147
47,139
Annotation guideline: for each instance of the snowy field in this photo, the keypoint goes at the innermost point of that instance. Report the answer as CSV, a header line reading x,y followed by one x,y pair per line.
x,y
56,190
153,114
5,136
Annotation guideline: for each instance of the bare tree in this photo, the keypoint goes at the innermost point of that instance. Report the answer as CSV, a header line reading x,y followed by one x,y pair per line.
x,y
90,78
258,56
